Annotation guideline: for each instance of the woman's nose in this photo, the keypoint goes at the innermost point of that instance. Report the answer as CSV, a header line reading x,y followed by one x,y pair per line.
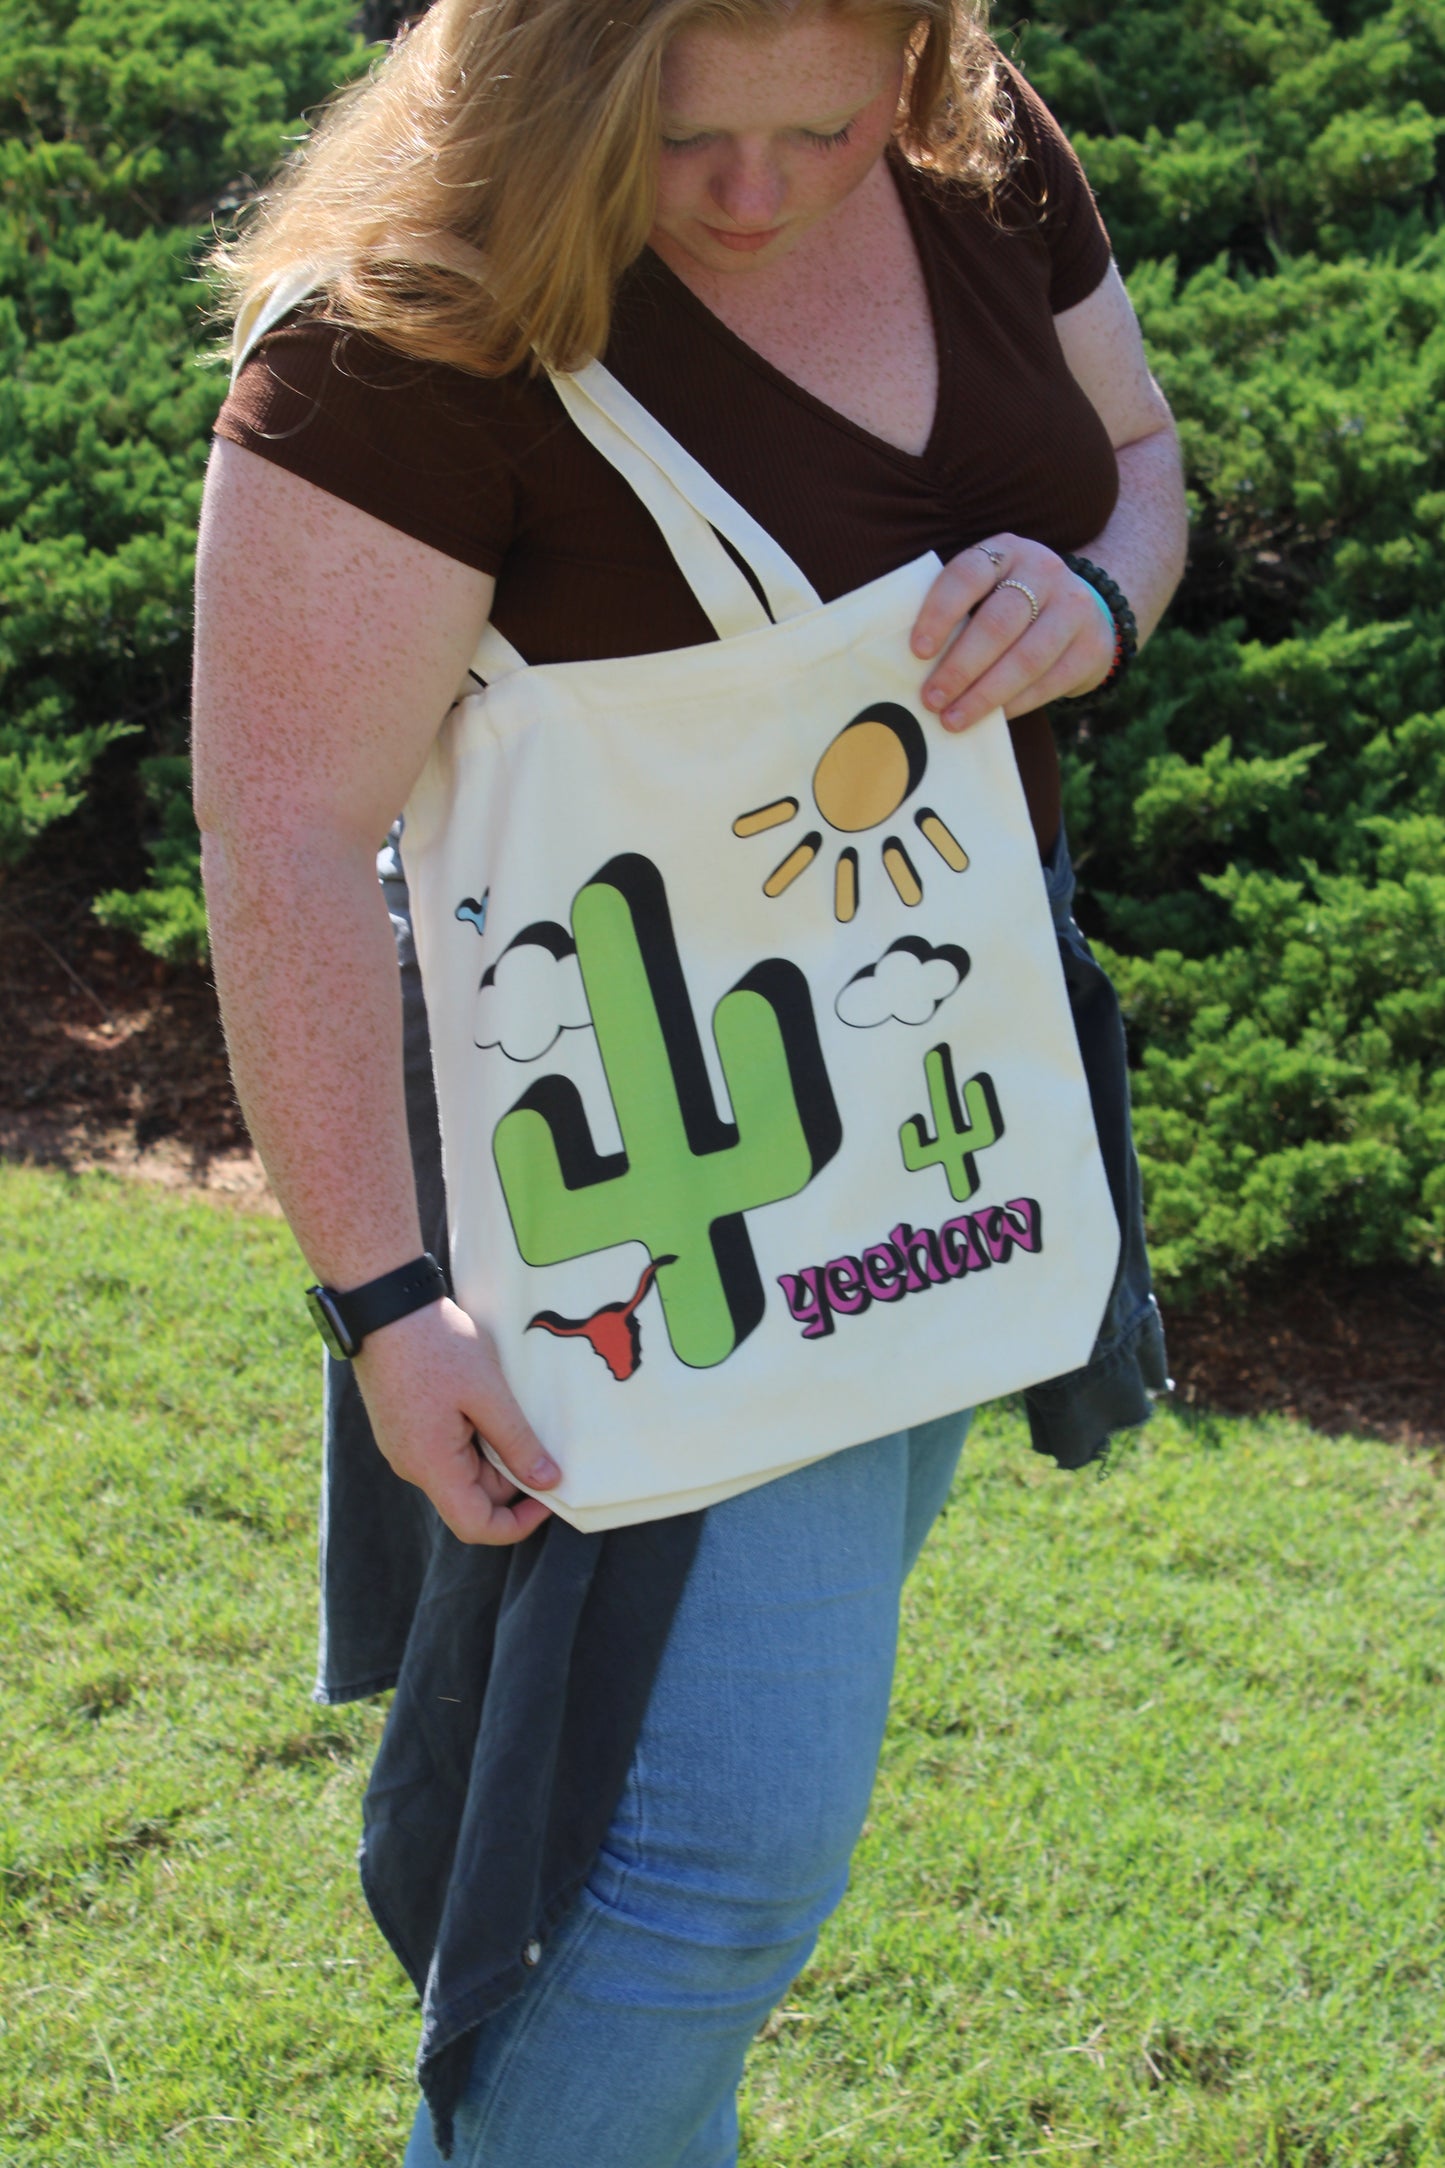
x,y
749,190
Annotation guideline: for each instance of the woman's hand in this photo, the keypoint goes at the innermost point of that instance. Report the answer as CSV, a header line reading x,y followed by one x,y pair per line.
x,y
992,646
988,645
432,1385
306,742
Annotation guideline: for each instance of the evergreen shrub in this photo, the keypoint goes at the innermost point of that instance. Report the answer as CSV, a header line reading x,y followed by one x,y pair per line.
x,y
122,130
1261,805
1258,811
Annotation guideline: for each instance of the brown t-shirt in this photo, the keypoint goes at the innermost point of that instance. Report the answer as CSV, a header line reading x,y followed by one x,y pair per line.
x,y
490,470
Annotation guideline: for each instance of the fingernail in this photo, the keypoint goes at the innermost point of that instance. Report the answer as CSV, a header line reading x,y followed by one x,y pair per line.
x,y
934,697
543,1470
955,719
922,645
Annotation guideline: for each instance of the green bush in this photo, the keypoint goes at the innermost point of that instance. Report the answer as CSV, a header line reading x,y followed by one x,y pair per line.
x,y
1267,802
1260,810
121,128
1261,807
1280,126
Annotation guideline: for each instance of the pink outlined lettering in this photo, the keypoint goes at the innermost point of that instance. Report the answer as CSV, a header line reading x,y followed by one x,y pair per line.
x,y
843,1285
960,1248
807,1303
918,1255
883,1274
910,1262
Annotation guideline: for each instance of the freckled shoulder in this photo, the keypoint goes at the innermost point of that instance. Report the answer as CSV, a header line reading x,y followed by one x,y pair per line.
x,y
328,645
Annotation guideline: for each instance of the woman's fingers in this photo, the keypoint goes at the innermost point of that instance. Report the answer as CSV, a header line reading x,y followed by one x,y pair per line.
x,y
1003,643
500,1421
1016,686
433,1388
960,587
476,1500
1010,626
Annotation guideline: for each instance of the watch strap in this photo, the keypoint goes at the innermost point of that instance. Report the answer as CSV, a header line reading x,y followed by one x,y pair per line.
x,y
344,1320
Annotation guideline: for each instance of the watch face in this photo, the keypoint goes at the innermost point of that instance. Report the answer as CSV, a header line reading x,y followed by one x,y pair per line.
x,y
333,1332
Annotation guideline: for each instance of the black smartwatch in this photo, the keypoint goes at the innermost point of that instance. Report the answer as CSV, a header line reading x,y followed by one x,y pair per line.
x,y
344,1321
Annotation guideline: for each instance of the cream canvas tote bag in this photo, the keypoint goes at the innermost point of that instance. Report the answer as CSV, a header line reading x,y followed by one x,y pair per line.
x,y
763,1119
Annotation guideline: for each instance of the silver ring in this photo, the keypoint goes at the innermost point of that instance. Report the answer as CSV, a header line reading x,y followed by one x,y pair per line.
x,y
1033,600
995,557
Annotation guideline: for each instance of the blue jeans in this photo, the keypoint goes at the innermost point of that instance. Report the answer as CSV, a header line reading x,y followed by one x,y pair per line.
x,y
731,1843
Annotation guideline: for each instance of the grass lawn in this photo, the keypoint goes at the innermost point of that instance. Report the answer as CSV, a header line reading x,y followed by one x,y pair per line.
x,y
1153,1872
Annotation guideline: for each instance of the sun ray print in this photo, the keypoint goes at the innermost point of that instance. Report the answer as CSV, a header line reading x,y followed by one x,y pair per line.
x,y
797,861
845,886
765,817
865,776
947,845
901,872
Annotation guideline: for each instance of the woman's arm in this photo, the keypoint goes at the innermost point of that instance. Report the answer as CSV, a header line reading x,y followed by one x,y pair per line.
x,y
1002,657
328,649
1143,546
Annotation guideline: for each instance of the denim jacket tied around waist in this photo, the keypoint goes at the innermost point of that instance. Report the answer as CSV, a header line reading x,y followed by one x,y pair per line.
x,y
522,1675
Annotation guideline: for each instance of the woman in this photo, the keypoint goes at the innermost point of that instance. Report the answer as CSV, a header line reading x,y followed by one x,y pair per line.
x,y
843,255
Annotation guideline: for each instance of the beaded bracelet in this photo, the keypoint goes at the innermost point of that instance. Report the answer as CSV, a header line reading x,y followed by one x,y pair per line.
x,y
1116,602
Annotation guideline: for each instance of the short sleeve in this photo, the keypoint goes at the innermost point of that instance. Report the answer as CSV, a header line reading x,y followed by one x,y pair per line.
x,y
423,447
1049,179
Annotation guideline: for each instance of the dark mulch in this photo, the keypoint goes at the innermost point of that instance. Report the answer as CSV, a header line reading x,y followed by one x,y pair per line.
x,y
107,1058
1344,1351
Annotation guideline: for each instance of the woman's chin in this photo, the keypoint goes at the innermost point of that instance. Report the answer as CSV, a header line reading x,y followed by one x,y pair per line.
x,y
709,248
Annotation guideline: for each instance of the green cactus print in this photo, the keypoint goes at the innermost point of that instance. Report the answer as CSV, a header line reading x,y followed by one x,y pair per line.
x,y
958,1132
684,1179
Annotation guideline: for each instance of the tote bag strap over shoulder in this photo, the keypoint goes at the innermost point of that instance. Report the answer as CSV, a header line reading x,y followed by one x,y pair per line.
x,y
495,656
262,312
690,508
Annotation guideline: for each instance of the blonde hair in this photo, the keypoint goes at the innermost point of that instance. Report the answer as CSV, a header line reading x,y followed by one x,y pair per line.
x,y
476,198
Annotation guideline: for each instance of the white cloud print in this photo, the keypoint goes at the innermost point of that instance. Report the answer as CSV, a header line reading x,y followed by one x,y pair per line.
x,y
907,985
531,994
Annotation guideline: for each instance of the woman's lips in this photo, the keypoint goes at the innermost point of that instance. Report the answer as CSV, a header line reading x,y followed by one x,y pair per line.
x,y
745,243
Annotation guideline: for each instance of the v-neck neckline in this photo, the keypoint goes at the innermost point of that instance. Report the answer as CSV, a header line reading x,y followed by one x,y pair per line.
x,y
906,183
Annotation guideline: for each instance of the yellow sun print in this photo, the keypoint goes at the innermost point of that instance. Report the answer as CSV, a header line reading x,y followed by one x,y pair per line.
x,y
866,773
